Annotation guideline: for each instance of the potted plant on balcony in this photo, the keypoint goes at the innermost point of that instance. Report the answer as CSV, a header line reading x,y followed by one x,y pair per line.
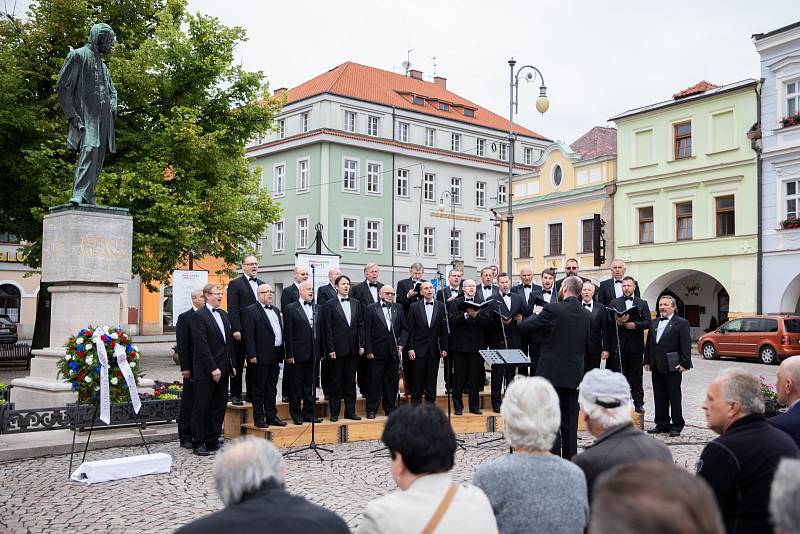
x,y
791,120
790,222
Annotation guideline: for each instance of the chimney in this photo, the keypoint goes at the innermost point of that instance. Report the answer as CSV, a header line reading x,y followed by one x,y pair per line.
x,y
279,92
439,81
416,74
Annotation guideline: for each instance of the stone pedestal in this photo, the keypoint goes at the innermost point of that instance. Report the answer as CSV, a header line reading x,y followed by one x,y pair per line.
x,y
86,254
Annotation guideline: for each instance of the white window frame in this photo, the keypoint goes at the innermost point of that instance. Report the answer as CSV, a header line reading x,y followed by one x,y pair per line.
x,y
480,245
373,125
480,147
279,191
301,240
455,190
793,96
281,128
378,178
347,126
424,180
528,155
303,186
455,239
502,191
455,142
305,121
430,137
278,229
502,152
402,175
432,237
357,188
406,235
783,213
480,194
403,131
378,237
354,218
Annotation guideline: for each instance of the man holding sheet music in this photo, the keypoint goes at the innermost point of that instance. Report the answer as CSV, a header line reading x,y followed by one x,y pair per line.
x,y
467,338
502,324
627,337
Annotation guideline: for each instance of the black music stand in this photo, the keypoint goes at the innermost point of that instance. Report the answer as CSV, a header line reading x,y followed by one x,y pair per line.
x,y
503,358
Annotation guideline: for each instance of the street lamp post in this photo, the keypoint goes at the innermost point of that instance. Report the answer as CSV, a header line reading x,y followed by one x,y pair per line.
x,y
542,105
441,207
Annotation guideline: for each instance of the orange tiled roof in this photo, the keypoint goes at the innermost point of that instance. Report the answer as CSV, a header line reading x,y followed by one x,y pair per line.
x,y
379,86
700,87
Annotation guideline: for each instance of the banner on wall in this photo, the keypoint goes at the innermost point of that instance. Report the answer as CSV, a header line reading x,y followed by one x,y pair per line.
x,y
322,263
183,283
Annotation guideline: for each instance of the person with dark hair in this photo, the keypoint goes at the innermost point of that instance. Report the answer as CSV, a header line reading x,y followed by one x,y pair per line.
x,y
422,446
343,335
427,340
501,320
657,497
626,338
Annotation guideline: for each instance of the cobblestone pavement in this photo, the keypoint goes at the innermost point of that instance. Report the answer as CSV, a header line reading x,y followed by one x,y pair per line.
x,y
37,496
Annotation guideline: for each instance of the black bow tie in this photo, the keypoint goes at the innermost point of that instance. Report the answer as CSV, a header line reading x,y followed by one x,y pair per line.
x,y
627,299
617,281
546,291
386,305
587,304
663,318
526,286
267,307
215,310
345,299
305,303
468,300
453,290
487,288
253,279
373,285
429,303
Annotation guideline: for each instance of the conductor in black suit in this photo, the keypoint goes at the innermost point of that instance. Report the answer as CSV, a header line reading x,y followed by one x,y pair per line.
x,y
367,293
597,342
263,345
502,331
386,334
343,323
427,340
299,343
565,328
406,296
631,338
466,339
668,339
612,288
183,338
213,349
241,294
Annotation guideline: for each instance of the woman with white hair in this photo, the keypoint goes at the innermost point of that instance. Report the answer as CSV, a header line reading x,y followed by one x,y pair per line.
x,y
532,490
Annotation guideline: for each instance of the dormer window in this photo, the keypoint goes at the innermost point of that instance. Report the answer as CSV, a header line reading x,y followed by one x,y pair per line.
x,y
444,107
469,112
417,100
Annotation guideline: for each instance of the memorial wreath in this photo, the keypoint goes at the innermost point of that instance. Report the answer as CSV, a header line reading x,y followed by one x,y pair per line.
x,y
102,365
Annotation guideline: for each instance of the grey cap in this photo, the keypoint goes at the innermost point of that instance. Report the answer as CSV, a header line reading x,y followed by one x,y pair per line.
x,y
605,388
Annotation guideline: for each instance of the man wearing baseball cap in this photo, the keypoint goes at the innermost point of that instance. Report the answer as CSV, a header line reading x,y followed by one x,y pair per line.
x,y
605,398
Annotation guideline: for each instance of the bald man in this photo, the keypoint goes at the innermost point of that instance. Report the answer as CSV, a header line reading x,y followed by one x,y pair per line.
x,y
788,388
298,324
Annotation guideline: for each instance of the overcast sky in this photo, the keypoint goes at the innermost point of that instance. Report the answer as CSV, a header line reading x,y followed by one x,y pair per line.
x,y
599,57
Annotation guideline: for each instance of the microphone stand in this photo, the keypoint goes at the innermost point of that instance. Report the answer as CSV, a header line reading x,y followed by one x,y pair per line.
x,y
314,340
502,370
448,368
614,311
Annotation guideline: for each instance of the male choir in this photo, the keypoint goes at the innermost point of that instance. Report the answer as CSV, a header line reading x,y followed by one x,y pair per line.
x,y
367,341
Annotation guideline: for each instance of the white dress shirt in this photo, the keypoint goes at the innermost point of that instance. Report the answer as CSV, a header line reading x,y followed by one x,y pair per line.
x,y
374,292
507,300
527,291
617,288
429,310
590,306
487,294
218,319
628,303
547,296
662,325
387,315
276,325
308,311
253,286
346,308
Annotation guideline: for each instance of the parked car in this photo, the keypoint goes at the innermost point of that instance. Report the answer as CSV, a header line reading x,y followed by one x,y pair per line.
x,y
771,338
8,331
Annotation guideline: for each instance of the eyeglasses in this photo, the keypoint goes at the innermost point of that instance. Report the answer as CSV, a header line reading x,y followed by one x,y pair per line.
x,y
251,264
266,291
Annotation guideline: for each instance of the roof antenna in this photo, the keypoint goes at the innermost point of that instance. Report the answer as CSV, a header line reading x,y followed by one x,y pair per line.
x,y
407,63
434,66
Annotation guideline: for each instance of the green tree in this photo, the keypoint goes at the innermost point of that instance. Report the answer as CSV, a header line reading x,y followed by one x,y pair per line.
x,y
185,112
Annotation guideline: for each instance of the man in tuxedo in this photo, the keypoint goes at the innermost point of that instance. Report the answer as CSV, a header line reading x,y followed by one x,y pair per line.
x,y
547,293
344,343
787,385
668,339
241,294
328,291
300,343
502,331
367,293
570,269
631,338
183,338
288,295
453,287
597,342
565,328
406,296
385,335
466,339
212,341
263,345
427,339
612,288
526,288
487,289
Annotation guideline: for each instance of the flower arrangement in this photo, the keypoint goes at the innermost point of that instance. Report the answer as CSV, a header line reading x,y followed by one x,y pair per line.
x,y
3,392
791,120
771,404
165,391
81,367
791,222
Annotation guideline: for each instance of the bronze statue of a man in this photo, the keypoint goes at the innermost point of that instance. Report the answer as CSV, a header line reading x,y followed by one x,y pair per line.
x,y
89,100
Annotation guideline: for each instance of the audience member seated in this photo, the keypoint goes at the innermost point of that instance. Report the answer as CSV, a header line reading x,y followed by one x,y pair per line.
x,y
605,398
248,475
788,388
785,497
422,446
532,490
653,497
740,463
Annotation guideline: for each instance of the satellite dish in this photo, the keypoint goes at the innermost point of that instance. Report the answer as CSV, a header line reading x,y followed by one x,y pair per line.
x,y
406,64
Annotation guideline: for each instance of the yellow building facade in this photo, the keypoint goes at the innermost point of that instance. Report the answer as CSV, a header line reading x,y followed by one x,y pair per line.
x,y
554,207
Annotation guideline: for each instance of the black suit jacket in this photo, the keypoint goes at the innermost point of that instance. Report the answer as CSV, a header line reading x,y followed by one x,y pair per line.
x,y
520,290
258,336
494,329
269,505
298,336
362,293
630,339
325,293
606,292
378,339
565,328
183,338
403,287
426,341
289,294
675,338
467,334
479,292
211,350
240,296
597,341
339,337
